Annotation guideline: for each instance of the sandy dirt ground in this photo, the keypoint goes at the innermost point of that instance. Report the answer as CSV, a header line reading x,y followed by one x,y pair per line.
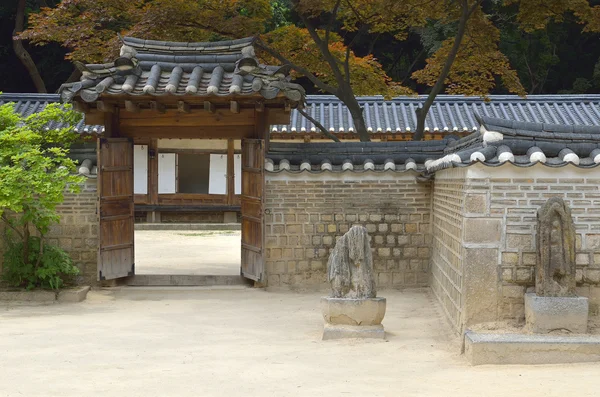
x,y
187,252
247,342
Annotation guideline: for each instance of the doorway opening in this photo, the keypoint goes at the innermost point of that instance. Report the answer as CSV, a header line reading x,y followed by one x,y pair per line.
x,y
188,251
187,219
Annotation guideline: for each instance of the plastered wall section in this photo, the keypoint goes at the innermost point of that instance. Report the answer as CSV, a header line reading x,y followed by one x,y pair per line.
x,y
77,231
307,213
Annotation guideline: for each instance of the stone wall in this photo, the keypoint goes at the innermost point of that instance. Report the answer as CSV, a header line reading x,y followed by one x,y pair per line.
x,y
77,232
307,212
514,201
484,237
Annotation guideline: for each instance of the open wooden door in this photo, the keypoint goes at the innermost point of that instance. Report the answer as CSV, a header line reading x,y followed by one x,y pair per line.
x,y
252,200
115,208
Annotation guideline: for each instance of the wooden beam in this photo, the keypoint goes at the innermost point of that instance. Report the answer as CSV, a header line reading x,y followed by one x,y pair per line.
x,y
183,107
94,117
234,107
131,106
261,128
105,107
209,107
188,132
277,116
81,107
111,125
157,106
220,118
260,106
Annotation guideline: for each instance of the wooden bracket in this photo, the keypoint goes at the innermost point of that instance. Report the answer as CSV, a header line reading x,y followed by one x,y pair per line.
x,y
132,107
105,107
235,106
81,107
159,107
209,107
183,107
260,106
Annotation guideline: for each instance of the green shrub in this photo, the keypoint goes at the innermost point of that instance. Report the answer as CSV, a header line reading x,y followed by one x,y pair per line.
x,y
52,270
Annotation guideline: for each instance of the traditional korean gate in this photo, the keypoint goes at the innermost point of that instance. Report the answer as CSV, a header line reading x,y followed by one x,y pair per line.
x,y
115,208
252,200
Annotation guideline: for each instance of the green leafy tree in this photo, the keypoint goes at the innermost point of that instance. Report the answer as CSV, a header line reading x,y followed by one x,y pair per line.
x,y
35,172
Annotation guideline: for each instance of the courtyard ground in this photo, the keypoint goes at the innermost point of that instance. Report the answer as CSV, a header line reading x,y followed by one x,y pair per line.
x,y
248,342
189,252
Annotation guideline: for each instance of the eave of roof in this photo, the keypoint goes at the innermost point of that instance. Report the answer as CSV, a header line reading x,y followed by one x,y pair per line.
x,y
158,68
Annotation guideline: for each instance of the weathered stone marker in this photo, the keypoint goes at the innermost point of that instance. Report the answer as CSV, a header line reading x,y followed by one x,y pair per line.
x,y
554,305
353,309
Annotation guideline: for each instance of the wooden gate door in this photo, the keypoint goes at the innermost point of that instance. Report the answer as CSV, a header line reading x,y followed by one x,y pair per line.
x,y
252,200
115,208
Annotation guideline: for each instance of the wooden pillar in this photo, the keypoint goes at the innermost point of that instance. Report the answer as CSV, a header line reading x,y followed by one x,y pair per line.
x,y
261,127
111,124
230,172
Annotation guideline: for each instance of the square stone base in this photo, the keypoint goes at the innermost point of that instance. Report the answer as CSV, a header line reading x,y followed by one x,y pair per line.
x,y
341,331
484,348
544,314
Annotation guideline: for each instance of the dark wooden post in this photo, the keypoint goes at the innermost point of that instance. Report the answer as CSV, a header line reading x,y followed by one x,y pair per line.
x,y
230,172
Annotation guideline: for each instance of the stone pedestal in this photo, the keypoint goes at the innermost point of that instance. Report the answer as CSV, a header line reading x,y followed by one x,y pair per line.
x,y
544,314
353,318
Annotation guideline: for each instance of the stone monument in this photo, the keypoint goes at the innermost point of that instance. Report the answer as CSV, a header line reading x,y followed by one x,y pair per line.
x,y
554,305
353,309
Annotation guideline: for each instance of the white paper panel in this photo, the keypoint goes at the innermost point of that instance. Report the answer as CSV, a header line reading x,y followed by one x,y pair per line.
x,y
237,166
140,169
217,179
166,173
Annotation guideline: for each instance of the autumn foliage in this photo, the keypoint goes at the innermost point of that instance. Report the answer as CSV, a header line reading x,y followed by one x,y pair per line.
x,y
321,44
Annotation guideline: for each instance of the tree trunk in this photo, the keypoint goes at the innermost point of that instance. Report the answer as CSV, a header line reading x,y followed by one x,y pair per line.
x,y
357,116
26,235
22,53
74,76
439,84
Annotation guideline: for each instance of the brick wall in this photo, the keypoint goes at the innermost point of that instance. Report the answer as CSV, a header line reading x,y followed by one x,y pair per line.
x,y
306,213
77,232
447,227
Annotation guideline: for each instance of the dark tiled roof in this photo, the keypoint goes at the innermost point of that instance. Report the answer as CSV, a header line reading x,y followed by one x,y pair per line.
x,y
28,104
448,114
501,141
160,68
353,156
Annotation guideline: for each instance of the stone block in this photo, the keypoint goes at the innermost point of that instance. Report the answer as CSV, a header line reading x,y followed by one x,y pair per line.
x,y
592,241
510,258
544,314
411,228
475,203
73,295
397,228
521,242
482,230
480,285
488,348
331,331
513,291
358,312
